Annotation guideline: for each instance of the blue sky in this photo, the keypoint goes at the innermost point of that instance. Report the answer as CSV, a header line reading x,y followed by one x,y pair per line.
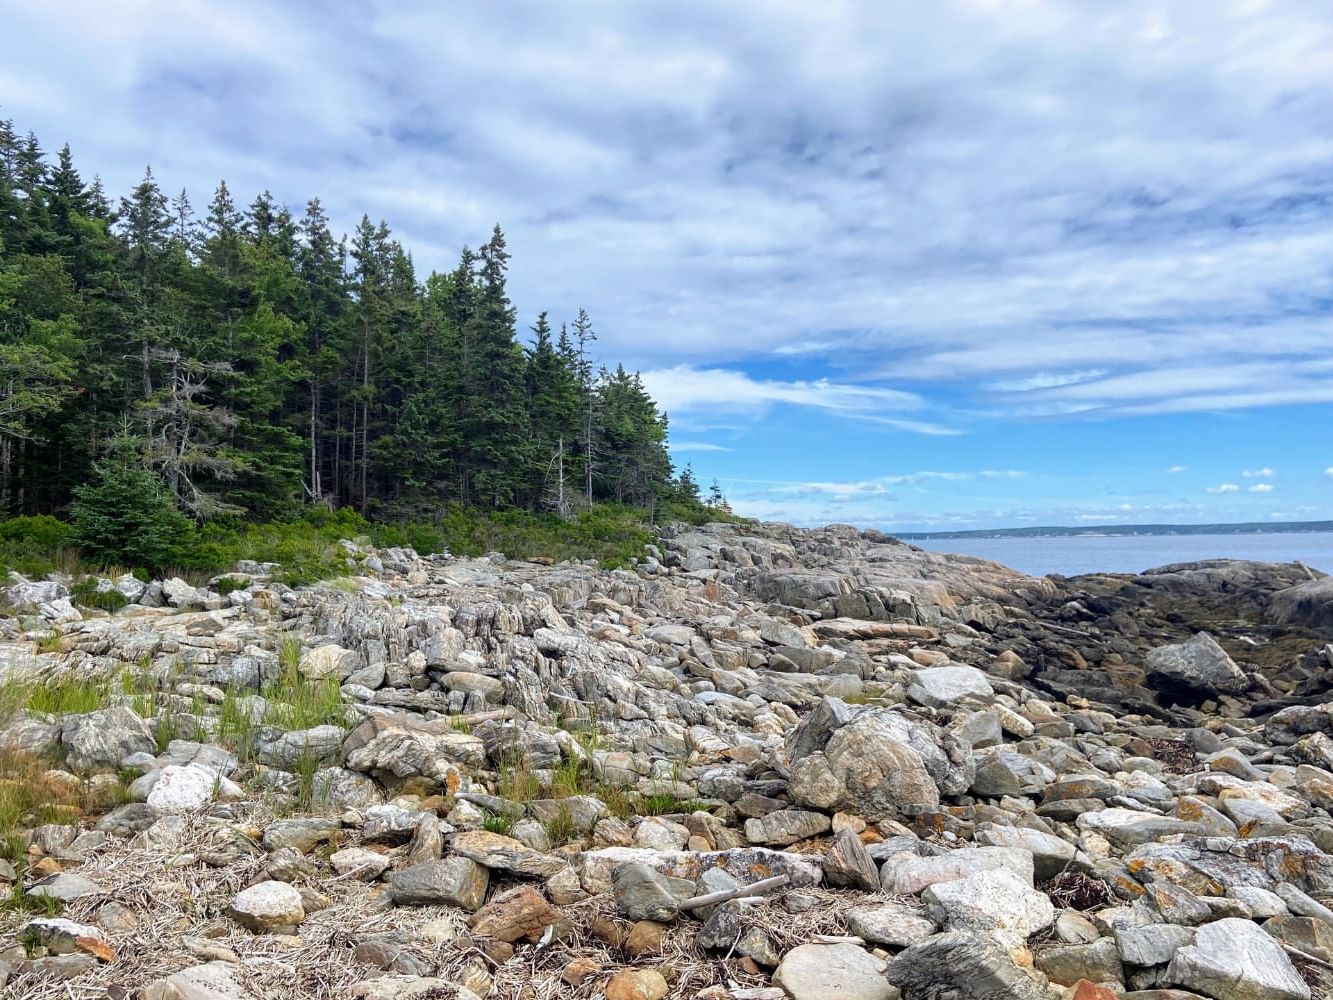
x,y
971,263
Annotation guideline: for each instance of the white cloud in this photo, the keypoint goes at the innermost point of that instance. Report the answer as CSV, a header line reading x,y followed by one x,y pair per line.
x,y
1262,488
1176,470
1329,472
1264,473
1224,488
696,446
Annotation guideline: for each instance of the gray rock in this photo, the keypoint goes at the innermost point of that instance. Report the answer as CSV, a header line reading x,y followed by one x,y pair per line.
x,y
1233,959
302,834
1200,666
894,924
997,902
404,746
1097,962
962,966
849,864
786,826
1050,854
940,687
879,763
501,853
1151,944
643,894
820,971
455,881
1004,772
289,750
906,874
104,738
1309,604
66,887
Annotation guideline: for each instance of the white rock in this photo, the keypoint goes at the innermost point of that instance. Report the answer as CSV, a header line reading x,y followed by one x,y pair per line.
x,y
939,687
182,789
327,661
1235,959
266,906
996,902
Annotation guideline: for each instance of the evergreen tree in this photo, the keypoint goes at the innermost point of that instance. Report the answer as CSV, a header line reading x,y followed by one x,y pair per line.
x,y
126,515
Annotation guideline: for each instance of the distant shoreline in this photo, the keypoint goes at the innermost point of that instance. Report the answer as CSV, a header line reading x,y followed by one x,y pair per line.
x,y
1125,530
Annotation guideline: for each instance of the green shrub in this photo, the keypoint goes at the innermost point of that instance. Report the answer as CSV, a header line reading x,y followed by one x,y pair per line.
x,y
85,594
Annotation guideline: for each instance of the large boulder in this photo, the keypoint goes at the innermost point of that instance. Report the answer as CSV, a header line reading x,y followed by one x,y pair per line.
x,y
963,966
880,763
1199,667
1235,959
104,738
1309,604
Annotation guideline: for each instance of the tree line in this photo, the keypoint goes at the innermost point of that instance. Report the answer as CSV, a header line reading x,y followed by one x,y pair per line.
x,y
257,364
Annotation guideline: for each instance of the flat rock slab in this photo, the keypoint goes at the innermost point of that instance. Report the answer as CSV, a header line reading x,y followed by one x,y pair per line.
x,y
824,971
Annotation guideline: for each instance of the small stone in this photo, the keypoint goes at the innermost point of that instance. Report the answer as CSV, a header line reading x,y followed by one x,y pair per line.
x,y
644,894
645,938
267,906
65,887
849,864
359,863
183,789
455,881
892,924
579,971
495,851
519,913
636,984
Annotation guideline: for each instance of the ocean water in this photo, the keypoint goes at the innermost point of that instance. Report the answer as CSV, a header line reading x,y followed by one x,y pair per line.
x,y
1135,553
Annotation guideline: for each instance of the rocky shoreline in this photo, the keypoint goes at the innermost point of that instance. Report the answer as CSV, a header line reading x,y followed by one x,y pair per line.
x,y
907,774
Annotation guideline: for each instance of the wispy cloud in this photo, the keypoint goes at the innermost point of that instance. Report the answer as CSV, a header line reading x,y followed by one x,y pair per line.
x,y
1224,488
688,389
696,446
1262,488
1176,470
1264,473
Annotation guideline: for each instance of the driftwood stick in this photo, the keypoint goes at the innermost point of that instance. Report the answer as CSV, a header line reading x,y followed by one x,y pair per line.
x,y
754,889
1305,955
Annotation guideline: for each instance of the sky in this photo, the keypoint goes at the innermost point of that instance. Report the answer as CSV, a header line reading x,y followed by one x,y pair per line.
x,y
966,264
